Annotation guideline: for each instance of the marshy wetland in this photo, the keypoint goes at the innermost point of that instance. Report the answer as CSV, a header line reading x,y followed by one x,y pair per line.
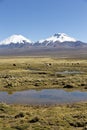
x,y
22,73
38,74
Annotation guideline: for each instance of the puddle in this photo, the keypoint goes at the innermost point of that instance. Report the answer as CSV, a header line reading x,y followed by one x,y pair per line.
x,y
45,96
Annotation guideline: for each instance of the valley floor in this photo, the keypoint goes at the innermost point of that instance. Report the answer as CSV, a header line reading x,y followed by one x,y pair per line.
x,y
20,73
60,117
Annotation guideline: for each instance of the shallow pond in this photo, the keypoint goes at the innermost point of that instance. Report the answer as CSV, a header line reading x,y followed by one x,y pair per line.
x,y
69,72
45,96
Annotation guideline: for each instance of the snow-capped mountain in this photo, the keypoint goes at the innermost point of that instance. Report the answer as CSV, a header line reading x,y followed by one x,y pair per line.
x,y
60,37
57,40
15,39
60,40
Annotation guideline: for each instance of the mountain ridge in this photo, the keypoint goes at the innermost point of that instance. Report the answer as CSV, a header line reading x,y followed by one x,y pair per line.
x,y
58,40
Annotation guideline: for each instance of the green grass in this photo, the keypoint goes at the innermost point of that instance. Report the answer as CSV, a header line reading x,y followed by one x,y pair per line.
x,y
60,117
19,73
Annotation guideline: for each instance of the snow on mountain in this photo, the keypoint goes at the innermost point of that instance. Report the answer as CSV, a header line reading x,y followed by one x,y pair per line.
x,y
15,39
60,37
60,40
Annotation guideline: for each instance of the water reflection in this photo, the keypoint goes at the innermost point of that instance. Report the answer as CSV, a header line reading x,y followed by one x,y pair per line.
x,y
69,72
45,96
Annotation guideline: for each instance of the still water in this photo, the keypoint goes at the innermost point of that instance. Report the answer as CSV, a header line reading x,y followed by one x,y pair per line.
x,y
41,97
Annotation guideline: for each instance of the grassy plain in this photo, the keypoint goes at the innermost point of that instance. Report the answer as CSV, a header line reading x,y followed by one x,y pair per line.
x,y
60,117
19,73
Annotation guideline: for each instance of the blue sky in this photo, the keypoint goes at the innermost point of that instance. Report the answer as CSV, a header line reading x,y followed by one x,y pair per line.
x,y
39,19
